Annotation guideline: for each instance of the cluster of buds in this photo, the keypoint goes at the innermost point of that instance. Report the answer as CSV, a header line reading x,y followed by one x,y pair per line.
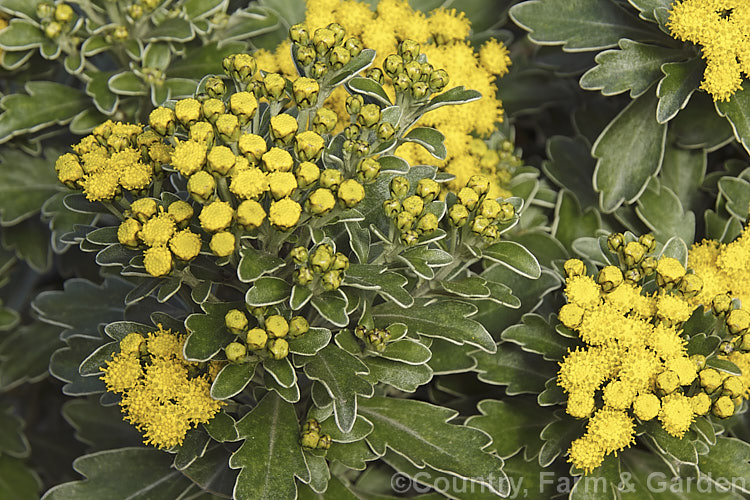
x,y
409,213
367,126
269,340
722,391
482,214
497,162
375,339
55,19
634,255
328,49
410,73
164,234
312,438
321,267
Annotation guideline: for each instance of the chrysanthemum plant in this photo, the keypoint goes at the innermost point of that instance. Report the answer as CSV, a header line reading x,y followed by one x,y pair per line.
x,y
289,283
682,65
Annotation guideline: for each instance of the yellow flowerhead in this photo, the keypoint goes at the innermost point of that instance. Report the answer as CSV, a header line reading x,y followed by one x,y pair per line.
x,y
284,213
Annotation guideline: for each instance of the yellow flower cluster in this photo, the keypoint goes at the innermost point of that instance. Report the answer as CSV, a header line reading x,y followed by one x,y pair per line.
x,y
159,231
161,395
724,268
115,157
634,355
722,29
394,21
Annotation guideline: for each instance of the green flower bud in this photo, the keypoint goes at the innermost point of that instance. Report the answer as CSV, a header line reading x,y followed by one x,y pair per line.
x,y
331,178
303,276
307,174
298,326
480,184
325,121
426,70
354,104
420,90
699,360
324,40
690,285
45,10
386,131
352,131
574,267
324,442
339,57
299,255
228,127
399,186
235,352
615,242
369,115
368,169
283,129
331,280
409,238
438,80
404,221
274,86
393,65
309,440
458,215
299,34
53,30
201,186
738,321
468,198
162,121
428,224
648,241
120,34
354,46
491,233
305,92
634,253
244,66
236,321
745,343
322,259
243,105
318,70
408,50
479,224
215,87
490,208
428,189
256,339
721,303
413,70
340,262
649,265
391,207
733,387
308,146
610,278
402,82
64,13
633,275
311,425
724,407
203,133
305,56
726,347
276,326
278,348
375,74
338,31
414,205
213,109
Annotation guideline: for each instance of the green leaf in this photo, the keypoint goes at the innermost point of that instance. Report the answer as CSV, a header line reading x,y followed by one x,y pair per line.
x,y
268,291
680,80
255,264
456,95
21,8
203,60
282,371
420,432
737,193
537,336
172,29
647,7
222,428
558,435
679,449
520,371
729,458
232,379
339,372
571,166
634,66
311,342
511,424
135,473
429,138
445,319
100,427
369,88
207,333
127,83
389,284
675,248
248,23
515,257
26,183
683,171
724,366
157,56
571,222
404,377
471,287
578,25
630,150
29,240
12,440
20,35
270,457
198,9
47,103
660,209
19,482
700,126
332,306
737,112
407,351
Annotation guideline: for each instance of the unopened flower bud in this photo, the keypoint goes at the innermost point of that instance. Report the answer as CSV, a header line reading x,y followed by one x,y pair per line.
x,y
634,253
298,326
649,265
201,186
615,242
243,105
256,339
320,202
408,50
331,280
236,321
404,221
574,267
733,387
307,174
667,382
323,40
399,187
331,178
710,380
369,115
414,205
426,71
402,82
303,276
354,46
648,241
318,70
633,275
699,360
340,262
458,215
610,278
738,321
391,207
352,131
479,224
325,121
428,189
324,442
215,87
419,90
235,352
283,129
375,74
228,127
305,56
468,198
438,80
244,67
276,326
368,169
274,86
428,224
386,131
278,348
393,65
309,440
127,233
409,238
299,34
721,303
724,407
339,57
691,285
305,92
